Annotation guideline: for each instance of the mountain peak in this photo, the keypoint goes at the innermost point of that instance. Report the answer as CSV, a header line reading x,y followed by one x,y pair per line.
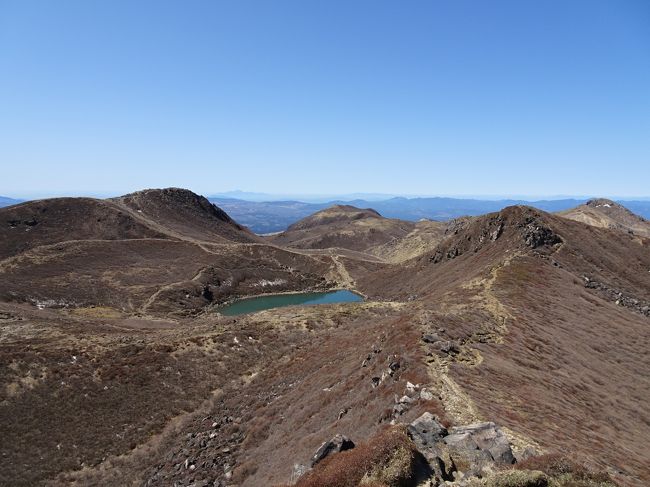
x,y
605,213
335,214
175,197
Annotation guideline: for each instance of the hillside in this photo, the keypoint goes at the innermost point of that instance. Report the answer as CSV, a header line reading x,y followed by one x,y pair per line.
x,y
550,321
608,214
43,222
151,249
364,230
526,319
184,214
343,226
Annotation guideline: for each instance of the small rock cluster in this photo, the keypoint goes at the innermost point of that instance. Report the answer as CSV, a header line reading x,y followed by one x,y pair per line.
x,y
204,451
618,297
28,223
440,346
376,349
412,394
391,371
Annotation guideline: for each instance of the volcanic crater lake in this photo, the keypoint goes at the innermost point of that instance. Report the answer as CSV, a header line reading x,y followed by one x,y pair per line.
x,y
259,303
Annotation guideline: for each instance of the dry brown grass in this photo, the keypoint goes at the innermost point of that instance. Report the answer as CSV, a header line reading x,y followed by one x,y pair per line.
x,y
556,465
565,371
386,460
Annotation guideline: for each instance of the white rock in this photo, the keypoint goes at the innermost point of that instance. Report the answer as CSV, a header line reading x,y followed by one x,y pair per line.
x,y
426,395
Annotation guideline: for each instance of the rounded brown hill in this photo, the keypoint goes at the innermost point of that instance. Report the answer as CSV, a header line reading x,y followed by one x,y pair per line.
x,y
184,213
336,214
348,227
604,213
156,213
43,222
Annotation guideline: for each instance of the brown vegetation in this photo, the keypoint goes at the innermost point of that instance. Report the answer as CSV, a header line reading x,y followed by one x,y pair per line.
x,y
388,460
114,370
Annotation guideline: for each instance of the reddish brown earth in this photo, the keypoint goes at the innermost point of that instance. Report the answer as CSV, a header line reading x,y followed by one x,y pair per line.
x,y
125,375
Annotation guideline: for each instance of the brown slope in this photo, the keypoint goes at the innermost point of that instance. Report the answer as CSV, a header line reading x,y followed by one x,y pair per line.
x,y
45,222
606,213
365,230
157,250
154,275
425,235
507,287
158,213
182,213
552,320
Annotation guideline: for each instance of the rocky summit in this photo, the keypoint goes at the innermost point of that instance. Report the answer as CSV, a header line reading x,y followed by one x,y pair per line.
x,y
506,349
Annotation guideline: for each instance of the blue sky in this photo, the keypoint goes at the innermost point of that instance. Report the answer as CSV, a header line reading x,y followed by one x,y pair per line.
x,y
415,97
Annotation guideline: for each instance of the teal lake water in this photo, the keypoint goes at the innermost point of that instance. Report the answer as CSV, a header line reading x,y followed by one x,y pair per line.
x,y
250,305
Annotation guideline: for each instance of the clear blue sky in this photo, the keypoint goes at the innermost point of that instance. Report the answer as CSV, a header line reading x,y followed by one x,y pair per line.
x,y
418,97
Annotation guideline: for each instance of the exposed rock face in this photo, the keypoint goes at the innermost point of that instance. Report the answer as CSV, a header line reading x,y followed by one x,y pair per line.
x,y
517,224
426,430
469,450
537,235
337,444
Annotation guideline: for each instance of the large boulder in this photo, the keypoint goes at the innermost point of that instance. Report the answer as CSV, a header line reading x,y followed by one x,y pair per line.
x,y
465,454
427,430
488,437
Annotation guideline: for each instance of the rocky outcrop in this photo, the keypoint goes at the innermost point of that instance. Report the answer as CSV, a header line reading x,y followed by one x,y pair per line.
x,y
463,451
537,235
522,226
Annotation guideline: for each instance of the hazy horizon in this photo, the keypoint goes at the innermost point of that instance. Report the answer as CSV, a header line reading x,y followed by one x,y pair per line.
x,y
325,197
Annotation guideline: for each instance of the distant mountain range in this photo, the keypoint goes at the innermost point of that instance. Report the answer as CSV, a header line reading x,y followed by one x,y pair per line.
x,y
5,201
276,216
305,198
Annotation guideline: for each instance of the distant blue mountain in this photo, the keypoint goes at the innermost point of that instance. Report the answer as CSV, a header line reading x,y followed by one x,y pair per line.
x,y
276,216
5,201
